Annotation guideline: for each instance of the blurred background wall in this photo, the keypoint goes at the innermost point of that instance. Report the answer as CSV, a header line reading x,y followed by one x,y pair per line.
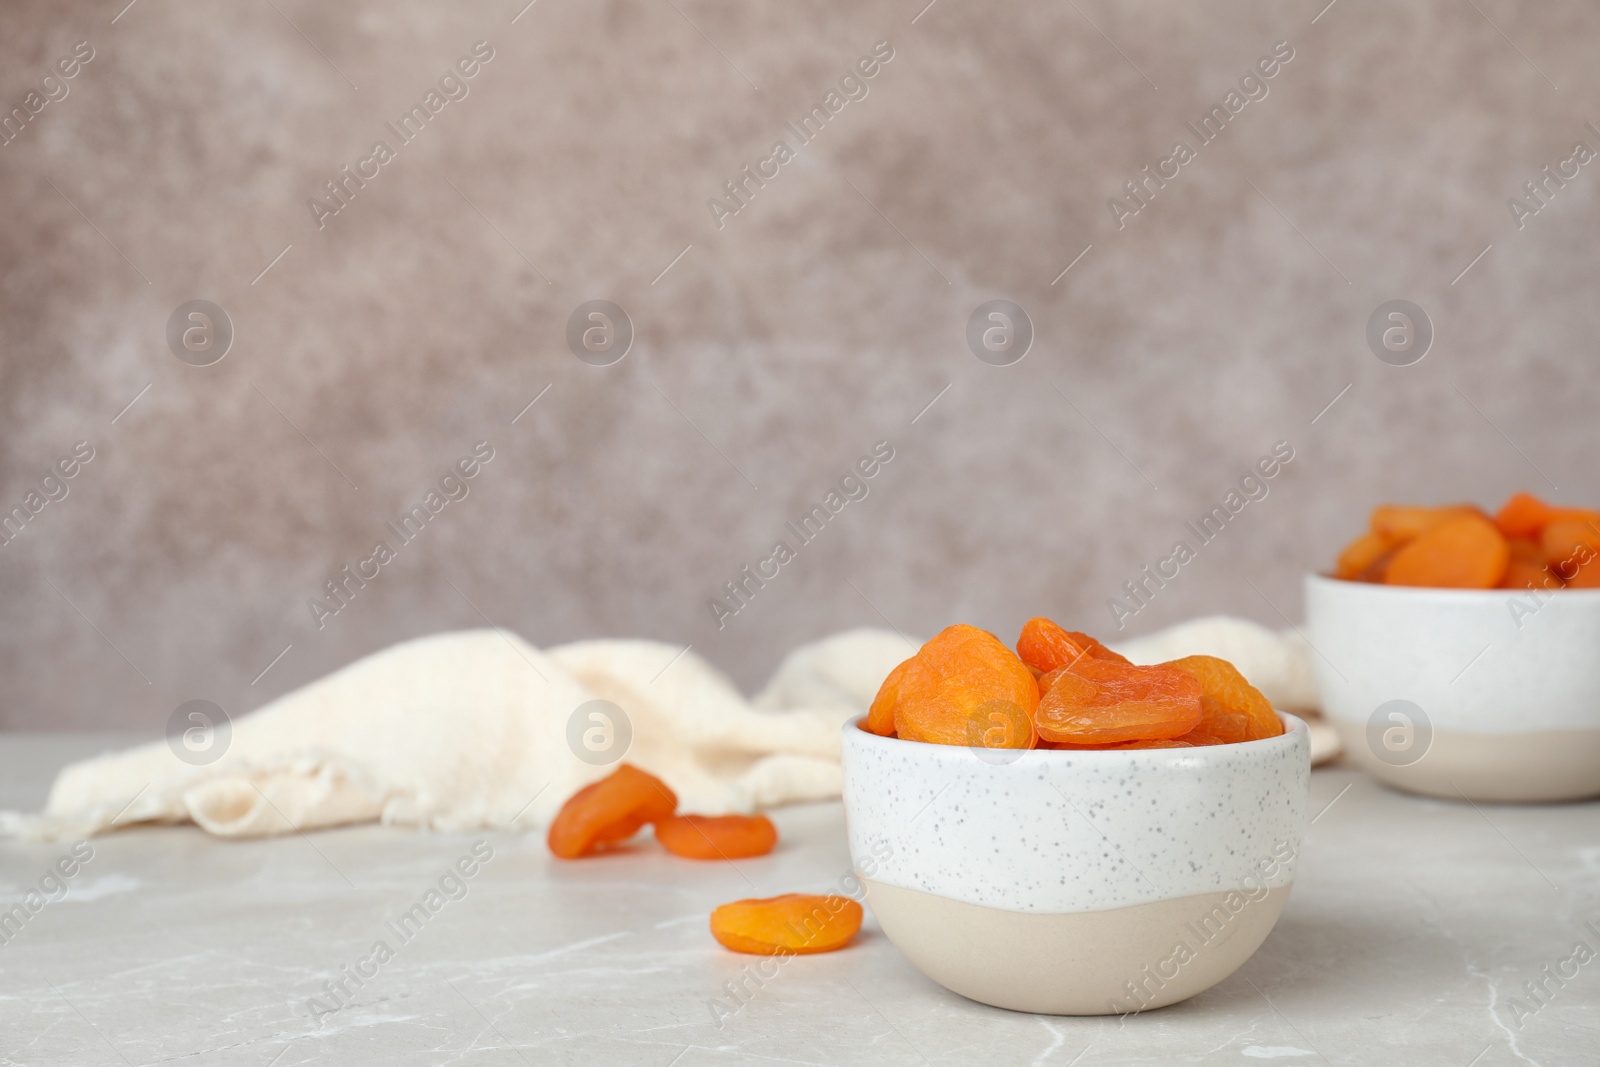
x,y
773,345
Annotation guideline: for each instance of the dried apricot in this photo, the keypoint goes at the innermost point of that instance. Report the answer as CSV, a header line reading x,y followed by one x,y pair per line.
x,y
1161,742
1527,567
791,924
880,717
1361,558
1463,551
1098,701
1524,515
608,812
966,688
1231,709
1045,646
1568,545
1587,575
1539,546
717,837
1398,524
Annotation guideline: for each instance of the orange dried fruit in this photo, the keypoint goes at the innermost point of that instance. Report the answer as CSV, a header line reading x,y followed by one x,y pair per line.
x,y
1361,558
717,837
1524,515
1123,745
1527,567
1157,742
880,717
1231,709
1098,701
1545,547
1045,646
1462,551
1587,575
1568,545
791,924
608,812
1398,524
966,688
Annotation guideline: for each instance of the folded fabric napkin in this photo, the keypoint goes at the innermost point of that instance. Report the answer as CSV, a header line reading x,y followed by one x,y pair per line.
x,y
475,728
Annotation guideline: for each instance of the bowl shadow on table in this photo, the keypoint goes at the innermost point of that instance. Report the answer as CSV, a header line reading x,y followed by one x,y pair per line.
x,y
1319,956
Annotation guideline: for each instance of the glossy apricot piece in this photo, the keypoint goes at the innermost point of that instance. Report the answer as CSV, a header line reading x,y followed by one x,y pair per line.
x,y
1568,545
1360,557
1586,576
1047,680
1122,745
791,924
1527,569
1524,515
1464,551
1097,701
610,811
880,716
966,688
717,837
1045,646
1586,516
1400,524
1159,742
1200,738
1231,709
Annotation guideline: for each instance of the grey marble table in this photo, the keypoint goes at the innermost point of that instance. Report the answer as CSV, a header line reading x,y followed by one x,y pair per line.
x,y
1409,938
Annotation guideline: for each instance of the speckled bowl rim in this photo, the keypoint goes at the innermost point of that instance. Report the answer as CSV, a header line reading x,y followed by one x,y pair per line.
x,y
1379,591
1034,757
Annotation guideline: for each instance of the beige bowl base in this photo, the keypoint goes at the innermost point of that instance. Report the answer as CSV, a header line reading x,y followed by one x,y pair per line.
x,y
1535,767
1076,963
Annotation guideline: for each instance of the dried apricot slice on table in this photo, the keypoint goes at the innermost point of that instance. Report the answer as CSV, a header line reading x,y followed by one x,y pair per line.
x,y
880,717
794,923
608,812
1231,709
717,837
966,688
1096,702
1464,551
1045,646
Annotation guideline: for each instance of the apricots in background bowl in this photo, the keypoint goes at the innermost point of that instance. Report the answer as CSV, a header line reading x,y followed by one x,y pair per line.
x,y
1458,654
1526,543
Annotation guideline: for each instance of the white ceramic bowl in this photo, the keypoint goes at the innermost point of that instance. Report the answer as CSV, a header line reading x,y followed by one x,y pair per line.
x,y
1076,883
1488,694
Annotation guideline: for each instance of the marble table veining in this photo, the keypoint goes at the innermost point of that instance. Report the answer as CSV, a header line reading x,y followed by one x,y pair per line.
x,y
1419,932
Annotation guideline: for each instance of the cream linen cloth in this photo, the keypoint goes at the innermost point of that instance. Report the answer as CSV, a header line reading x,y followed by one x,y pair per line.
x,y
469,729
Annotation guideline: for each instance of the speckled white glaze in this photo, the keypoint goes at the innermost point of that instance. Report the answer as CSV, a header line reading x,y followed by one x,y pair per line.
x,y
1058,831
1480,661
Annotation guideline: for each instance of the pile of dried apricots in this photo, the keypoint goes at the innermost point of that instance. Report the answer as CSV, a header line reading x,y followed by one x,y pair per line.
x,y
605,814
1526,544
1064,690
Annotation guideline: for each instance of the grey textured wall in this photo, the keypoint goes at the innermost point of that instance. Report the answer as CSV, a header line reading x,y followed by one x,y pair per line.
x,y
822,317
